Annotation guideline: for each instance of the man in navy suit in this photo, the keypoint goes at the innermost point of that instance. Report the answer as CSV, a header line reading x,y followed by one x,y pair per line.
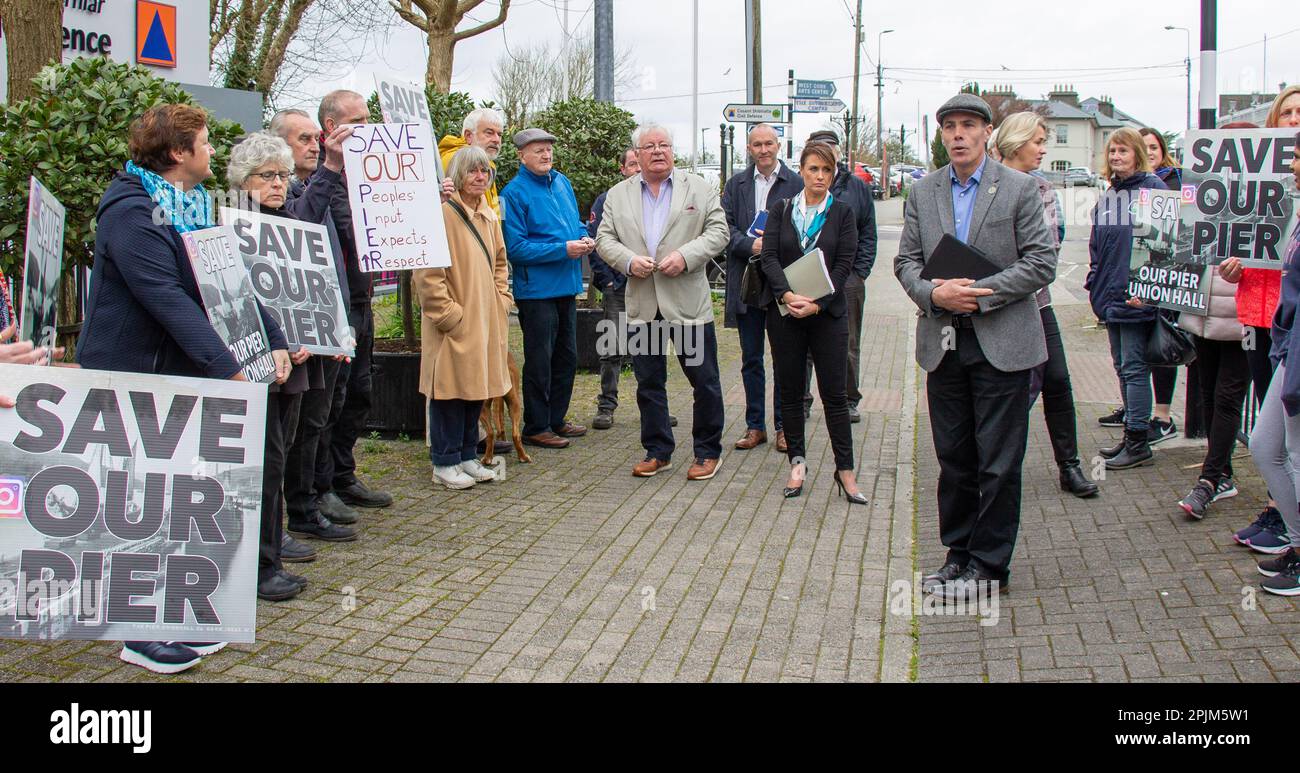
x,y
763,183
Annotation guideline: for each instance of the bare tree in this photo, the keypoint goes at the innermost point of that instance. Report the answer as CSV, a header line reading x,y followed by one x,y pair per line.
x,y
38,44
438,20
534,77
272,45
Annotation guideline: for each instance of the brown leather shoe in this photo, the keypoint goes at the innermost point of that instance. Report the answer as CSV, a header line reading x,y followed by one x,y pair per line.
x,y
571,430
781,445
703,469
752,439
651,467
546,440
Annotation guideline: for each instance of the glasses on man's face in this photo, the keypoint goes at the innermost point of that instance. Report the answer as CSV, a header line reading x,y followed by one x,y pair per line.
x,y
267,177
662,147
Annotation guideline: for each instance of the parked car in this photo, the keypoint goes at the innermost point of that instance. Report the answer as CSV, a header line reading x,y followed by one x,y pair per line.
x,y
1078,175
864,174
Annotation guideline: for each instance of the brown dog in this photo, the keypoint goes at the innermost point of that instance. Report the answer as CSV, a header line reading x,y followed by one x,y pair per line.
x,y
498,405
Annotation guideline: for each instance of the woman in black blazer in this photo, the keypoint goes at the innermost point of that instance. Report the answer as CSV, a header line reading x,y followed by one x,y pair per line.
x,y
816,325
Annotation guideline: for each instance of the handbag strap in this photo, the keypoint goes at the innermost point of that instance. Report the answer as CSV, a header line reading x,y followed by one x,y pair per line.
x,y
464,216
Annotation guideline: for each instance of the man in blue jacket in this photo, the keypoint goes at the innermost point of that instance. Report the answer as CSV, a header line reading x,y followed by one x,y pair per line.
x,y
763,183
545,242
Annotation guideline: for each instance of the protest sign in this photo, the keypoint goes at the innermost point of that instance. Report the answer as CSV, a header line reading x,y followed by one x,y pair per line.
x,y
1154,275
42,267
129,506
291,267
404,102
1241,196
229,299
396,205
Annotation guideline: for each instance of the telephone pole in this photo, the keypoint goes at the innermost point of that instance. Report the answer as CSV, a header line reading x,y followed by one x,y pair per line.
x,y
754,51
604,50
880,115
857,74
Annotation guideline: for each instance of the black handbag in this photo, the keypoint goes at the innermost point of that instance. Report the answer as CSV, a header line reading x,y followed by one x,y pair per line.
x,y
754,289
1168,346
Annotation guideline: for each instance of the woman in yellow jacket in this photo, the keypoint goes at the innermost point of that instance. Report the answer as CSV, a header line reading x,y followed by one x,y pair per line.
x,y
464,324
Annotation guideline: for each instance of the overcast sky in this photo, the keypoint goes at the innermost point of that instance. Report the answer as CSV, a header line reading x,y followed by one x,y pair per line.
x,y
1112,47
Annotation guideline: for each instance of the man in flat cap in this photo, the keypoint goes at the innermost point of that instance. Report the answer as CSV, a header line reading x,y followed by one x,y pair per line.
x,y
545,243
977,341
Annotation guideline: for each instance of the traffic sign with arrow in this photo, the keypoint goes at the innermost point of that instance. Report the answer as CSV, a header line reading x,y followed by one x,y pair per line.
x,y
755,113
805,89
819,105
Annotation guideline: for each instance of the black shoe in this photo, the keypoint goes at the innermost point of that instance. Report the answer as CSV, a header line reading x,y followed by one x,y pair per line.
x,y
1136,453
1115,419
1159,431
296,579
323,530
1197,502
604,419
672,420
855,416
333,508
160,657
293,551
949,571
277,588
1272,567
972,584
1286,582
790,492
358,495
1111,452
857,499
1074,481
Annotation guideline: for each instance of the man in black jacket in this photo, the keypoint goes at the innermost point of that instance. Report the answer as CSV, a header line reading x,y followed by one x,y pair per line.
x,y
351,402
763,183
611,285
849,189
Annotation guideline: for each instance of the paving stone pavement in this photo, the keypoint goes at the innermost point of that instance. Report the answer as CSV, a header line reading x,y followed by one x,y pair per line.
x,y
573,570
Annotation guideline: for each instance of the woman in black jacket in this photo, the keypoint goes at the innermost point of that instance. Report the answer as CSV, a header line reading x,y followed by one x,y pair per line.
x,y
813,219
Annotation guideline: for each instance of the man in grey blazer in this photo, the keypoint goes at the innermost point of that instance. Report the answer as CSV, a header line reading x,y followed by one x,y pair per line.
x,y
977,341
661,228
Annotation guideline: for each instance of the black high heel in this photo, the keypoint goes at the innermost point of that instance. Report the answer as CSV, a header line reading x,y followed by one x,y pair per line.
x,y
790,492
857,499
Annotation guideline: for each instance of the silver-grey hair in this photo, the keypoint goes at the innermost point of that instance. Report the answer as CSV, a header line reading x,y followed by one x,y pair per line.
x,y
470,158
644,129
329,106
477,116
279,120
257,149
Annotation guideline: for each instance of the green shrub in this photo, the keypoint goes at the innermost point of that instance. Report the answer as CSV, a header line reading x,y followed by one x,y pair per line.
x,y
72,134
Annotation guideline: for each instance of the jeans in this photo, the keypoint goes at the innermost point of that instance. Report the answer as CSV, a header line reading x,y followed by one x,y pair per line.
x,y
652,395
611,365
979,419
825,339
752,326
1275,447
302,462
1128,341
356,402
550,327
453,431
1224,378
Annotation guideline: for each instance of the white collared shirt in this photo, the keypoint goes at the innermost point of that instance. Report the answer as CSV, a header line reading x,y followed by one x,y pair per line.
x,y
763,186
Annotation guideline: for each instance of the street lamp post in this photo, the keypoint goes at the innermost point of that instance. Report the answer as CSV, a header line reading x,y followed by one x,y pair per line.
x,y
880,103
1189,74
704,144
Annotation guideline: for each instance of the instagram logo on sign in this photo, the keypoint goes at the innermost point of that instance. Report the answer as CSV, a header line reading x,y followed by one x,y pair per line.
x,y
11,497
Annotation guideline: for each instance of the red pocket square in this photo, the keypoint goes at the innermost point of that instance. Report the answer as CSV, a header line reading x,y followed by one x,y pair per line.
x,y
690,207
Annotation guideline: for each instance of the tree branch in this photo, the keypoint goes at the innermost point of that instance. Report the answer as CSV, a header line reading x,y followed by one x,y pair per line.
x,y
480,29
411,17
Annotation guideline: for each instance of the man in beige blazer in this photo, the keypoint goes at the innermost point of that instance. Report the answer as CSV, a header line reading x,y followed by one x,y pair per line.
x,y
661,228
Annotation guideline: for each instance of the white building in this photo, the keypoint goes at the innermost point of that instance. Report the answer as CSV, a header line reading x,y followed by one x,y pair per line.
x,y
1079,129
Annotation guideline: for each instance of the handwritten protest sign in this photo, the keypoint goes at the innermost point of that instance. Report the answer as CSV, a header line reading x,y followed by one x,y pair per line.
x,y
393,189
230,301
129,506
42,267
1154,275
1240,196
291,267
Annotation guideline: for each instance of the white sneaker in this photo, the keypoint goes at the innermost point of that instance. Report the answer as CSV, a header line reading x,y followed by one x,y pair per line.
x,y
452,477
475,469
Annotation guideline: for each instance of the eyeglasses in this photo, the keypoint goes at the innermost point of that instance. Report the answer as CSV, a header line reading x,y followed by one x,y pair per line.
x,y
267,177
662,147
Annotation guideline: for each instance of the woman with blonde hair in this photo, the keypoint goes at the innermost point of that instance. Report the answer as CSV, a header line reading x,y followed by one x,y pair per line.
x,y
464,325
1127,167
1021,143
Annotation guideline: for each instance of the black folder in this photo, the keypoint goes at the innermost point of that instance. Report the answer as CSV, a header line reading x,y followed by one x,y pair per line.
x,y
954,259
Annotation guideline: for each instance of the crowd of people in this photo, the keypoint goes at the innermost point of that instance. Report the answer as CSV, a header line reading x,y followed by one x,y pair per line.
x,y
989,346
